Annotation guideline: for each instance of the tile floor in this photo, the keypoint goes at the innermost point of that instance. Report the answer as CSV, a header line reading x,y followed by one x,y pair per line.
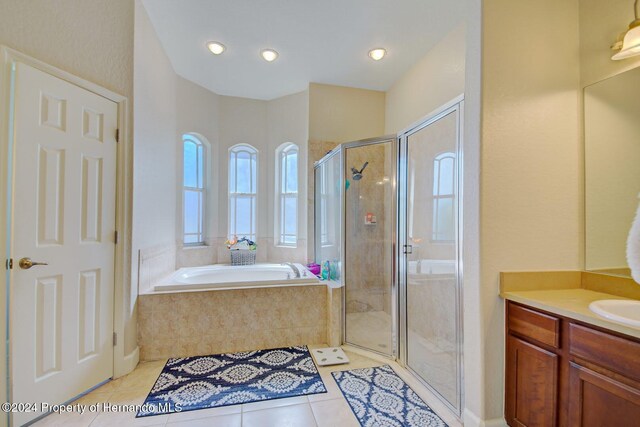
x,y
328,409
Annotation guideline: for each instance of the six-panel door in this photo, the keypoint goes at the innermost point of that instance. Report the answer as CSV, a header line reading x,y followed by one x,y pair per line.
x,y
63,214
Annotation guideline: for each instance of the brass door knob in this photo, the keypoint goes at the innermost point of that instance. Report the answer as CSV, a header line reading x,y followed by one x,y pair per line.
x,y
26,263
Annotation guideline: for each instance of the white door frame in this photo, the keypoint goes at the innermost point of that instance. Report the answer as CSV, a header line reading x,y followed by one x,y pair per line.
x,y
122,363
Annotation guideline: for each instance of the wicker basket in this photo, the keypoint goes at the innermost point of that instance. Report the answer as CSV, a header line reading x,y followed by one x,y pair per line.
x,y
243,257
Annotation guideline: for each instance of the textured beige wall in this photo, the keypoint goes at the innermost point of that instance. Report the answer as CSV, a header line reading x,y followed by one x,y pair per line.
x,y
243,121
473,295
531,183
288,121
89,38
338,114
433,81
600,24
197,111
154,157
341,114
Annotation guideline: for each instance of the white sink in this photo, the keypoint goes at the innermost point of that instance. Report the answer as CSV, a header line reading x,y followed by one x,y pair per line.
x,y
618,310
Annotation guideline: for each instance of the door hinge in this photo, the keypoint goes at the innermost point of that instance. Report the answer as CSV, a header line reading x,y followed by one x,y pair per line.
x,y
117,135
9,264
115,237
408,249
115,339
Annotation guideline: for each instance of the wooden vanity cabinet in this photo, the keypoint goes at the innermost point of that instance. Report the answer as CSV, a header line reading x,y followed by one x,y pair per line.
x,y
532,367
604,378
561,372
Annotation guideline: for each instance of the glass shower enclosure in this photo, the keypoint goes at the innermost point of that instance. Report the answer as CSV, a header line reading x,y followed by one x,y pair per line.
x,y
354,198
388,227
430,279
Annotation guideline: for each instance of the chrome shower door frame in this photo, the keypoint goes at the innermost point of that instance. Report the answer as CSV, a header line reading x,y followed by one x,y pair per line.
x,y
394,239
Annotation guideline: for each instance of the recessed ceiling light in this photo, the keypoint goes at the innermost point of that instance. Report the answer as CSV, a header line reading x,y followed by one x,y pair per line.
x,y
216,47
377,54
269,55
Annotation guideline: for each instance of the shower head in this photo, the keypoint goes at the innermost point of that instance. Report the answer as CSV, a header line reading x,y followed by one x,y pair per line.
x,y
357,174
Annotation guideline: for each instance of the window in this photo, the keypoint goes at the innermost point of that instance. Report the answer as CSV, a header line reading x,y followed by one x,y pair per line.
x,y
444,197
286,212
193,189
243,171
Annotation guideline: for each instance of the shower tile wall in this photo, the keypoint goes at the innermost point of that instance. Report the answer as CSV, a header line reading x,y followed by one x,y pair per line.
x,y
209,322
368,250
334,317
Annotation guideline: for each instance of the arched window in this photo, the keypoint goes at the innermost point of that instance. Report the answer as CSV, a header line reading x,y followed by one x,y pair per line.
x,y
286,206
444,197
193,189
243,172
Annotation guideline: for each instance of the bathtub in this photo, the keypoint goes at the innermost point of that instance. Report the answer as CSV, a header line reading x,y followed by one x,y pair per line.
x,y
224,276
432,267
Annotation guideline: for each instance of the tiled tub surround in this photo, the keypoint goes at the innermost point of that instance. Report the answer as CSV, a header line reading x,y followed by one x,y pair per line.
x,y
334,314
220,321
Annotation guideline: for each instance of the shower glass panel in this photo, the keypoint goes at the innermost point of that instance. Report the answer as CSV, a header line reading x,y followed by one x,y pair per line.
x,y
328,210
369,168
431,285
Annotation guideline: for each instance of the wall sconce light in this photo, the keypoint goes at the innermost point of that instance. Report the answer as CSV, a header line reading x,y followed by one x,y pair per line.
x,y
630,44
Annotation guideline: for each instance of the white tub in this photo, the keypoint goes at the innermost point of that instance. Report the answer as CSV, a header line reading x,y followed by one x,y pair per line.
x,y
432,267
224,276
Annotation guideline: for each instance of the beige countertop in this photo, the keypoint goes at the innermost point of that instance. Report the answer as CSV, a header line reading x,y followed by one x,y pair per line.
x,y
572,302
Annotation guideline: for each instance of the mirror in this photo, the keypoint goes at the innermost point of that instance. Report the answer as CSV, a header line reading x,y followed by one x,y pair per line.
x,y
612,169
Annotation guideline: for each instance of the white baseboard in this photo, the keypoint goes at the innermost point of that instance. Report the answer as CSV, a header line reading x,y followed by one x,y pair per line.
x,y
129,363
472,420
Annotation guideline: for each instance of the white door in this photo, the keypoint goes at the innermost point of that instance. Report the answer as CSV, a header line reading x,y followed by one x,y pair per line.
x,y
63,214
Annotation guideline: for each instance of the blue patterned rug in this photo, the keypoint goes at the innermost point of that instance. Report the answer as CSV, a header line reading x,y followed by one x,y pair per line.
x,y
191,383
378,397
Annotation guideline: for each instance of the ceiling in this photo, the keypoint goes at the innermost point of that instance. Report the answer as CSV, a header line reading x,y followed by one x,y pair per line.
x,y
322,41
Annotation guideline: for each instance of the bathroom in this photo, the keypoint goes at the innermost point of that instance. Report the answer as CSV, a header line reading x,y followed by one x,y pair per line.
x,y
516,81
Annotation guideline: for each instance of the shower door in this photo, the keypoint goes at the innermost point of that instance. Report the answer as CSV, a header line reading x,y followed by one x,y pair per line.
x,y
369,235
430,167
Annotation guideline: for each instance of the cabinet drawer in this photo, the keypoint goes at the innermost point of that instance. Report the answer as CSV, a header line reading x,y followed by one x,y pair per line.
x,y
532,324
608,351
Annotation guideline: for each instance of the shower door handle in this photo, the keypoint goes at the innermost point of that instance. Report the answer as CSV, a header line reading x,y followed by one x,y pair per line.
x,y
408,249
